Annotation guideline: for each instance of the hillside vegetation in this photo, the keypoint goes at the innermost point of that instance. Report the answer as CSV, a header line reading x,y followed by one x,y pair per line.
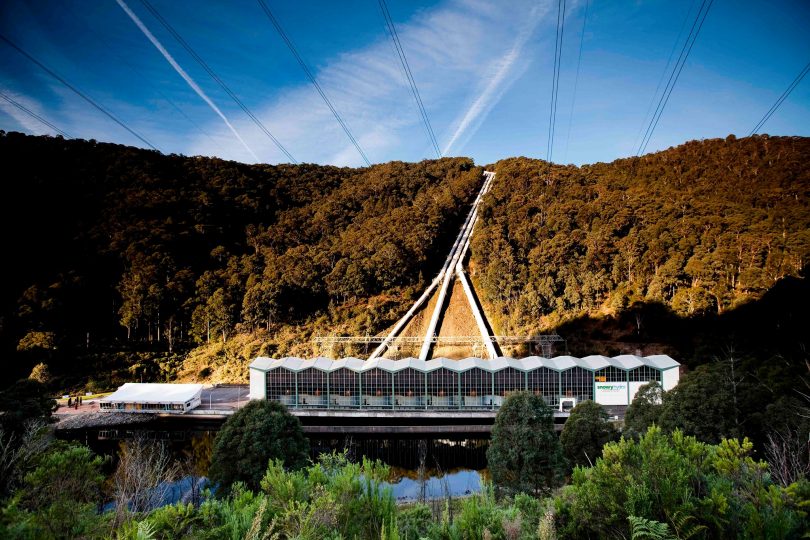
x,y
128,264
698,229
125,259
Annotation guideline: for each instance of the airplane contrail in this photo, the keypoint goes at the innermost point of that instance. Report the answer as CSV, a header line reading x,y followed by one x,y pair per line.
x,y
494,90
186,77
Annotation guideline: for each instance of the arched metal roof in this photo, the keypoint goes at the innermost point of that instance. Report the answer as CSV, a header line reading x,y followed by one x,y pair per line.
x,y
558,363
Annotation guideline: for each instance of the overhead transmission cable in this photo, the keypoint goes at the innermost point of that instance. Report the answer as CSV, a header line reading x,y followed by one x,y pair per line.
x,y
694,32
78,92
311,78
576,80
157,89
781,99
636,141
555,85
216,78
33,115
411,81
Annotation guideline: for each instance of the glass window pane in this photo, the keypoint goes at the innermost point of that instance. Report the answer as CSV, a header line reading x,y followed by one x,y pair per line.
x,y
409,389
545,382
577,382
376,388
281,386
344,388
442,388
312,388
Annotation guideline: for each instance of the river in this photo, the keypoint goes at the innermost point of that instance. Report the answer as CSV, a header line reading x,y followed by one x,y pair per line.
x,y
420,468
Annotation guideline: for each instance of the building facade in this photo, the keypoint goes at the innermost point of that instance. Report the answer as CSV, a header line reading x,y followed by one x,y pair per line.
x,y
442,383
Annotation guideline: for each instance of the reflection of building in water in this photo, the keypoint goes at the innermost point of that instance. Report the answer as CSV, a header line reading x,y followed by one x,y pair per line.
x,y
403,454
442,383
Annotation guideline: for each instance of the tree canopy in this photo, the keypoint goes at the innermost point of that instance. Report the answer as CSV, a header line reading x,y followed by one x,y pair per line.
x,y
524,453
585,432
259,432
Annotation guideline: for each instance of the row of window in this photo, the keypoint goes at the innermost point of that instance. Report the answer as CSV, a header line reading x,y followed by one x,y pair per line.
x,y
142,406
442,387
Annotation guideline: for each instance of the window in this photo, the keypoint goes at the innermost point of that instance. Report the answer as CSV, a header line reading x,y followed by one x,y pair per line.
x,y
645,374
509,380
376,382
311,388
442,388
409,388
577,382
476,388
376,388
545,382
344,388
610,374
281,385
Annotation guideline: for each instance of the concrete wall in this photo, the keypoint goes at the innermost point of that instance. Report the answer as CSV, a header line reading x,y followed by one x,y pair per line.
x,y
671,377
258,386
611,393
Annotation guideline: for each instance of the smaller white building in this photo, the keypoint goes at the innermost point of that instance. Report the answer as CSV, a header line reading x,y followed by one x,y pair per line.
x,y
153,398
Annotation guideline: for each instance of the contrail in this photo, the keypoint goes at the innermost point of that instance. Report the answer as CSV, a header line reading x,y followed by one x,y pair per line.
x,y
493,92
186,77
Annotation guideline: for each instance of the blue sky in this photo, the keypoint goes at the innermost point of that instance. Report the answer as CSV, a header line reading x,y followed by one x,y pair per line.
x,y
483,69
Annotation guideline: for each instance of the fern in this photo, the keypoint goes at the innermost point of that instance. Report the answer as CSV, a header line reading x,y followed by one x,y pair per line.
x,y
648,529
685,527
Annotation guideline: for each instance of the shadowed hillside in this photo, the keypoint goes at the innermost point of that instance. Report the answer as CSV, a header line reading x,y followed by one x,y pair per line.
x,y
131,265
125,259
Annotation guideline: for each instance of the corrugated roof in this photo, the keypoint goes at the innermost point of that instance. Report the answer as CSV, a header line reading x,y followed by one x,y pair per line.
x,y
153,393
558,363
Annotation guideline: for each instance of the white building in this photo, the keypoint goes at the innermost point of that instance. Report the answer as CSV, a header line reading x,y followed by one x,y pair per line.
x,y
153,398
442,383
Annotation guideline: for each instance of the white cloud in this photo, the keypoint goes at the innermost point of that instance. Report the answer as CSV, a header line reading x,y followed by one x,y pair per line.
x,y
498,83
25,121
180,71
464,55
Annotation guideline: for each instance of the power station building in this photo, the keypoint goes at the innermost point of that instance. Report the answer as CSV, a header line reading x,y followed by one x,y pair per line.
x,y
442,383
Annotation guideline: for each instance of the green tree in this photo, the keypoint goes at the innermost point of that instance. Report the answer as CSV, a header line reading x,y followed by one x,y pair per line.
x,y
702,405
645,409
524,454
254,435
63,492
585,433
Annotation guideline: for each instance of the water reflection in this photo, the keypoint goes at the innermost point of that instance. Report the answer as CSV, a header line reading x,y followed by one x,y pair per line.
x,y
420,469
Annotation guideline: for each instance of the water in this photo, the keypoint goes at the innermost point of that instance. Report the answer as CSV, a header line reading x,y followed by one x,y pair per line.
x,y
420,468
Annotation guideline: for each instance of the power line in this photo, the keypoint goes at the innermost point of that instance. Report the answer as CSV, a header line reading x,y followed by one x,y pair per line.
x,y
411,81
216,78
636,141
782,98
33,115
166,98
576,80
676,73
77,91
312,79
555,86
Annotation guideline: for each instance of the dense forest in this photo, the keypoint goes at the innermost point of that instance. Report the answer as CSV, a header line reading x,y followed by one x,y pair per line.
x,y
128,264
700,228
125,259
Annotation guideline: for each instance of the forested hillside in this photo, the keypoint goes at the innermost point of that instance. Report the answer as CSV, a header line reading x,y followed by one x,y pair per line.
x,y
128,264
120,260
700,228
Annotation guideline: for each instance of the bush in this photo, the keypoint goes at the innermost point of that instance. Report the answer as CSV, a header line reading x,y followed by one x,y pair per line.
x,y
259,432
585,433
524,454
